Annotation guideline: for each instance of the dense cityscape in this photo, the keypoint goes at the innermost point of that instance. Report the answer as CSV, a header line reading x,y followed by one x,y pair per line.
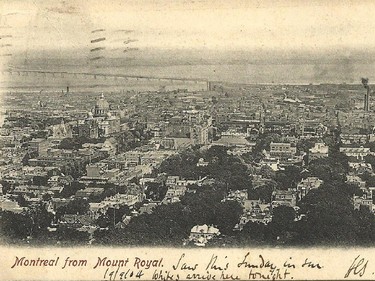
x,y
198,164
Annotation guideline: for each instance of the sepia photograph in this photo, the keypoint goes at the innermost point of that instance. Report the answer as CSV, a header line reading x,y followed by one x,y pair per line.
x,y
184,132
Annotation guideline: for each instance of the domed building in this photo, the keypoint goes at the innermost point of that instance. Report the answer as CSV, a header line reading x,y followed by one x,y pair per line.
x,y
100,122
101,108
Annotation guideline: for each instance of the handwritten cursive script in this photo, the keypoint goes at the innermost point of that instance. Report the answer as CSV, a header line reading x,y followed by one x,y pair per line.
x,y
358,267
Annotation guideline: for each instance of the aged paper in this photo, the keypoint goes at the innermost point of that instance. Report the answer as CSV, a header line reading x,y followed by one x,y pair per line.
x,y
95,95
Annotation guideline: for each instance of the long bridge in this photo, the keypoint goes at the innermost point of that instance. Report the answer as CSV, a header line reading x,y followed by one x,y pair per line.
x,y
63,74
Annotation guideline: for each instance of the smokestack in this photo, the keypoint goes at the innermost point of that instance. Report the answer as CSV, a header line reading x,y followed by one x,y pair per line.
x,y
367,95
67,89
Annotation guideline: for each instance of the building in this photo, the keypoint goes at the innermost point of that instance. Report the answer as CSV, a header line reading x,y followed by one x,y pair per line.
x,y
319,150
101,108
237,195
201,234
255,211
284,198
273,163
358,152
40,146
172,180
96,170
100,122
62,131
305,185
175,143
360,168
118,200
236,141
199,134
109,146
354,138
365,200
88,128
174,194
89,191
109,125
76,221
282,150
356,180
133,158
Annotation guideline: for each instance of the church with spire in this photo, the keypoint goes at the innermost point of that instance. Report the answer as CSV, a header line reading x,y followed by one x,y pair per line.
x,y
62,131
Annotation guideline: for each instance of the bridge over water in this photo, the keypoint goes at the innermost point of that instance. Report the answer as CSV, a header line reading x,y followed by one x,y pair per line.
x,y
64,74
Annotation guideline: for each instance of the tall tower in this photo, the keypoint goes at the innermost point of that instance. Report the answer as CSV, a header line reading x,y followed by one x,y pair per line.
x,y
367,95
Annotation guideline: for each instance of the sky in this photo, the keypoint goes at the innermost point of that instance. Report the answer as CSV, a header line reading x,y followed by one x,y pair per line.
x,y
219,25
299,30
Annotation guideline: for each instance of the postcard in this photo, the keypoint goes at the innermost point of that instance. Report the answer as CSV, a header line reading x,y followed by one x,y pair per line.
x,y
187,140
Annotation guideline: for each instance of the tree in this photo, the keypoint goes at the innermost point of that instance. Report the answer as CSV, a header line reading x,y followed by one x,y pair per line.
x,y
40,219
40,180
14,225
289,177
371,145
21,200
283,216
369,178
183,165
115,215
71,189
77,206
330,169
71,235
46,197
252,231
31,222
70,143
371,160
264,193
227,215
267,172
5,186
366,226
155,191
263,143
330,217
304,145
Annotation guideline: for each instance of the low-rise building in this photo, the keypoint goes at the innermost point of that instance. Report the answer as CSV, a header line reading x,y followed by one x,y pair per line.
x,y
305,185
201,234
356,180
365,200
89,191
353,138
284,198
282,150
237,195
360,168
319,150
174,194
358,152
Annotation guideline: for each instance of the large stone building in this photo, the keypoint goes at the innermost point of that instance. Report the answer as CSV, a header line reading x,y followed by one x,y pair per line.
x,y
100,122
101,108
282,150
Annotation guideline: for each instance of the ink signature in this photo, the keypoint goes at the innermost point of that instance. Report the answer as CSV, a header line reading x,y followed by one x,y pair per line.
x,y
358,267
